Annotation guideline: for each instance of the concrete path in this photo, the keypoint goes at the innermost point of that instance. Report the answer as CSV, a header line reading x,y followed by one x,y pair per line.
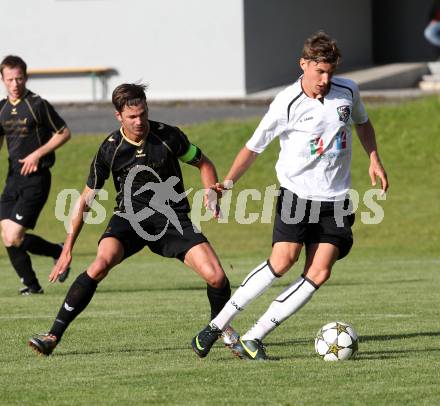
x,y
98,119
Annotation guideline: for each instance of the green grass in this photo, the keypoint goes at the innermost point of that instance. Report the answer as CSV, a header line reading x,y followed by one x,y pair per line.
x,y
132,344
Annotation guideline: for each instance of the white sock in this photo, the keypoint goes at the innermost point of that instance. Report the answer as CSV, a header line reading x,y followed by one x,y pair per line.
x,y
258,280
286,304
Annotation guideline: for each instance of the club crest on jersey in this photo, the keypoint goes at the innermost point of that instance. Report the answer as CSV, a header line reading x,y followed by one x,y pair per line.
x,y
344,113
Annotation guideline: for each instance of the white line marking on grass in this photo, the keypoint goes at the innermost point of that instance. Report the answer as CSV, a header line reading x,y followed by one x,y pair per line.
x,y
386,315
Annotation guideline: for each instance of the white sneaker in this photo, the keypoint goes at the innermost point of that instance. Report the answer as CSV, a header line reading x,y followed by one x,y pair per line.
x,y
230,336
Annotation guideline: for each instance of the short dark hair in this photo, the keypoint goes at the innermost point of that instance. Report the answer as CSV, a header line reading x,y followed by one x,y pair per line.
x,y
320,47
128,94
13,61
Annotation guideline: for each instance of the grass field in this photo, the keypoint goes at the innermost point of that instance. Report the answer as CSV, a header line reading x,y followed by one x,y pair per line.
x,y
132,344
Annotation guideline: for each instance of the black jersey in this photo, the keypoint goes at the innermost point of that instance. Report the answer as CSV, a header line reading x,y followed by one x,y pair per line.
x,y
135,165
28,124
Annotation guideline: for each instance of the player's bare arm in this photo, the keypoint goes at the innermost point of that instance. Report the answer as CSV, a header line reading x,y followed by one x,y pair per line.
x,y
82,206
367,138
30,162
242,162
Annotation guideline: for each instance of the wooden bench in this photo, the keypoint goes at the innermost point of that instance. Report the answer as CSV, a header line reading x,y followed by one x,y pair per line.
x,y
95,73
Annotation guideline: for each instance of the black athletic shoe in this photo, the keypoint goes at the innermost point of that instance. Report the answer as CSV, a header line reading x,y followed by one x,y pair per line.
x,y
203,341
43,344
26,291
249,349
65,274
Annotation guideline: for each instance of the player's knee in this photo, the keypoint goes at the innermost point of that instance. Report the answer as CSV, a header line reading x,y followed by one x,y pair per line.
x,y
11,239
99,269
283,263
214,276
319,275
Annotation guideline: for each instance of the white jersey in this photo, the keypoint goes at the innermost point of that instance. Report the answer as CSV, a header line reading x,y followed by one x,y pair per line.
x,y
315,139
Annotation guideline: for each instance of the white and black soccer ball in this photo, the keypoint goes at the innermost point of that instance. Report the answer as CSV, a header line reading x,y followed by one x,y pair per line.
x,y
336,341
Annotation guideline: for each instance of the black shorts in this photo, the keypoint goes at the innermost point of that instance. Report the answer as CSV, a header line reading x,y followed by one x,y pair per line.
x,y
307,222
24,197
171,244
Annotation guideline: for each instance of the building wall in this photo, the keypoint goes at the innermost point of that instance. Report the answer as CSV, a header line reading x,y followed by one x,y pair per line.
x,y
398,31
275,32
198,49
183,49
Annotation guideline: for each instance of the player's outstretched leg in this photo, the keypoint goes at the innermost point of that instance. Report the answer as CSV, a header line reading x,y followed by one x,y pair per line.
x,y
39,246
22,264
78,297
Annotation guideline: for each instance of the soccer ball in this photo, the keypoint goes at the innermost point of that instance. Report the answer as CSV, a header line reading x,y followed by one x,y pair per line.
x,y
336,341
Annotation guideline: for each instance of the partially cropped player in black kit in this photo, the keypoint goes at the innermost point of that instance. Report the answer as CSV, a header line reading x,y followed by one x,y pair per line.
x,y
33,130
152,209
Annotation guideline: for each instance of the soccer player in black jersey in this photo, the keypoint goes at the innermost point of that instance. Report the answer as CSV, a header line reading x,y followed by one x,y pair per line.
x,y
33,131
151,208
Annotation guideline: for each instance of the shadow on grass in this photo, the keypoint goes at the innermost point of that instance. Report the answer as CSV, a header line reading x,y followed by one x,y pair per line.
x,y
121,351
226,354
347,283
367,355
388,337
287,343
150,289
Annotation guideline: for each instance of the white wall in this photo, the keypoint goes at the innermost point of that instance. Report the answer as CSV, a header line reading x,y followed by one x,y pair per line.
x,y
181,48
184,49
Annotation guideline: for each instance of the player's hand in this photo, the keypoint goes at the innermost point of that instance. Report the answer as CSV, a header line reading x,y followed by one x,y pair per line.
x,y
211,200
213,194
30,164
61,266
222,187
377,170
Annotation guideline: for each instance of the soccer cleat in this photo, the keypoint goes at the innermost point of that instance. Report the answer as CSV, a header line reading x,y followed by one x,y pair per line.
x,y
203,341
26,291
249,349
230,336
43,344
65,274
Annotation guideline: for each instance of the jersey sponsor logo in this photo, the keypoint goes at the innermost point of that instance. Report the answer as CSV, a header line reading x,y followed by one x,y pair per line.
x,y
341,139
344,113
14,112
18,217
317,146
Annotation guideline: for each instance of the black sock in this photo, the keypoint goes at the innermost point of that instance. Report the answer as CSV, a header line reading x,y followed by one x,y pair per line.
x,y
22,264
78,297
39,246
218,297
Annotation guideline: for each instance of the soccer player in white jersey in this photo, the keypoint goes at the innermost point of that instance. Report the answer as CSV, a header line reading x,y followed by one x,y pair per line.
x,y
312,119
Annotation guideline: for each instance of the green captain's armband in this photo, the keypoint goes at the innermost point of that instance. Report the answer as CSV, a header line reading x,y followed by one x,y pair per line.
x,y
192,155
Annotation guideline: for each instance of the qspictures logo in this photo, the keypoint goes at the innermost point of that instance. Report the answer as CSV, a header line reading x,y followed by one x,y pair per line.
x,y
234,206
164,193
